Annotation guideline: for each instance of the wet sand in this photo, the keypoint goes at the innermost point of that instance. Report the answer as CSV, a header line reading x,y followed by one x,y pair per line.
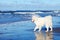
x,y
21,31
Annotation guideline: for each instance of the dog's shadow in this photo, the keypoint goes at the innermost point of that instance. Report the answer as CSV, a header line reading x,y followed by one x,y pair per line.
x,y
44,36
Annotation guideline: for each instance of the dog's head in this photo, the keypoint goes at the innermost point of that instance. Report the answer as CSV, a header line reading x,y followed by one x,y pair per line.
x,y
34,18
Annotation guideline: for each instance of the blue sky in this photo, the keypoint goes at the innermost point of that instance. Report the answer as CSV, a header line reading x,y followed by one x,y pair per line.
x,y
29,4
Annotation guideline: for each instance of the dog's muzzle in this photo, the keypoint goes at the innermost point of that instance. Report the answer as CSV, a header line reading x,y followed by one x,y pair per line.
x,y
32,20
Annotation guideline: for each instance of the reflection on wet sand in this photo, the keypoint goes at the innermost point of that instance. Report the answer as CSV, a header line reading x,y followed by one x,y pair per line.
x,y
44,36
39,36
49,36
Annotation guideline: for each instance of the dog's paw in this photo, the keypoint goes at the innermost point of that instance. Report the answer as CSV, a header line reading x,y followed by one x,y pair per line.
x,y
51,30
39,30
34,30
46,31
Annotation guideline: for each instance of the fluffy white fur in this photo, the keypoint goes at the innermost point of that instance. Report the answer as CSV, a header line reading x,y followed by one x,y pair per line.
x,y
41,21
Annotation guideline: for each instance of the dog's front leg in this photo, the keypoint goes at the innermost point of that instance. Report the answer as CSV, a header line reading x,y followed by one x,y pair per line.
x,y
35,28
40,28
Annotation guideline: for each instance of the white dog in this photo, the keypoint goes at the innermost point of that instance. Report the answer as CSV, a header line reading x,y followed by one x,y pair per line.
x,y
41,21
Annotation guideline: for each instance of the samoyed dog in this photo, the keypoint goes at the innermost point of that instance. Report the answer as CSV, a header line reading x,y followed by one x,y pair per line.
x,y
41,21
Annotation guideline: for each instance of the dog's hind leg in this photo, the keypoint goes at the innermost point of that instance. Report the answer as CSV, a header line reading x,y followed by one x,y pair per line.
x,y
51,28
35,28
47,27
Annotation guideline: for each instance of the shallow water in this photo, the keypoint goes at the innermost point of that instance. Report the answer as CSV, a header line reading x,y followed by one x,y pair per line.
x,y
20,29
